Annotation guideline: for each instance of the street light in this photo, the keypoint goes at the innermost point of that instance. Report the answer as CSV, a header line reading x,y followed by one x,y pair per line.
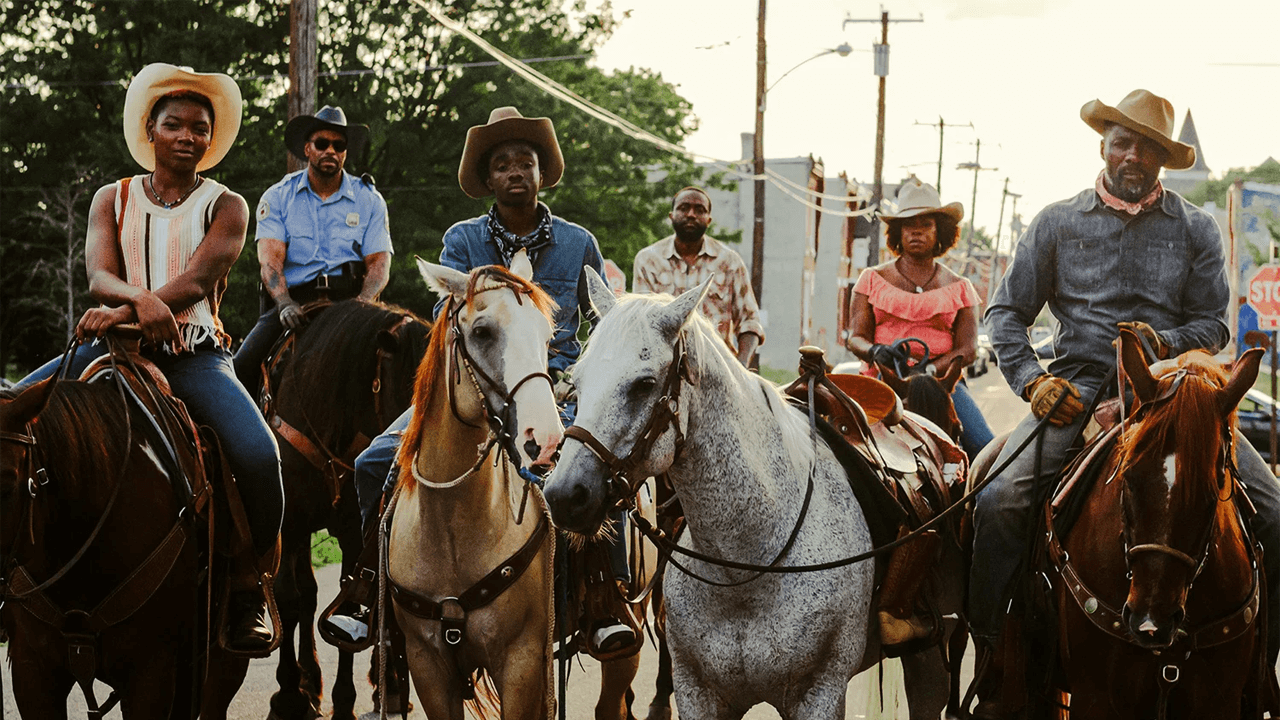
x,y
757,150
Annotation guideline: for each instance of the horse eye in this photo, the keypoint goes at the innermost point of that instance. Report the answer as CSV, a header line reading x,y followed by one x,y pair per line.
x,y
481,332
643,387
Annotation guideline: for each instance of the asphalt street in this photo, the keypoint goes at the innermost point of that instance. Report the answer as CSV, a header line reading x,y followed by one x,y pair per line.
x,y
1002,409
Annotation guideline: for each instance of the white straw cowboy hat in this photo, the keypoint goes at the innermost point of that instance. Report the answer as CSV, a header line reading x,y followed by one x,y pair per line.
x,y
300,129
1145,113
920,198
506,123
159,79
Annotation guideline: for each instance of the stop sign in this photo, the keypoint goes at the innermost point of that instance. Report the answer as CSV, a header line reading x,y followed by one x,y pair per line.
x,y
1264,296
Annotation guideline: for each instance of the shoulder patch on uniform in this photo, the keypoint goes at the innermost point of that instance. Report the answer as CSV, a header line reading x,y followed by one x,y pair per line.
x,y
264,209
353,219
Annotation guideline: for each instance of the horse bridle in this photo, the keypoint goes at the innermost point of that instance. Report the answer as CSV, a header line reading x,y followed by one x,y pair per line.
x,y
620,483
500,420
382,360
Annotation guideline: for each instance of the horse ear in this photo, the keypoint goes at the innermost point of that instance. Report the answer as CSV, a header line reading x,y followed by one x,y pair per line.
x,y
602,297
27,406
1243,374
521,266
1134,364
673,317
443,280
951,377
891,379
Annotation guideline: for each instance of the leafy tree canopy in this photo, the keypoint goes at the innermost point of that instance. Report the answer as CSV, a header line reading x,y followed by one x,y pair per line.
x,y
1216,190
65,65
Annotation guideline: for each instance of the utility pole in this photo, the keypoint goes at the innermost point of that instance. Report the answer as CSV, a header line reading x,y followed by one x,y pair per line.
x,y
302,64
976,167
882,72
941,129
995,253
757,153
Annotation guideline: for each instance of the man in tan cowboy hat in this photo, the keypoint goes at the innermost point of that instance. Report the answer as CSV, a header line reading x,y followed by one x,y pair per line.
x,y
511,158
1123,253
322,232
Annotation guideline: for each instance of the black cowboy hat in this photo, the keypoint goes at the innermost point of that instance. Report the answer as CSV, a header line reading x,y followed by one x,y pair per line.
x,y
299,130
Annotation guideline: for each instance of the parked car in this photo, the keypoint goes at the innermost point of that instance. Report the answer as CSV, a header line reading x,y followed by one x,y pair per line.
x,y
1044,347
985,357
849,367
1255,422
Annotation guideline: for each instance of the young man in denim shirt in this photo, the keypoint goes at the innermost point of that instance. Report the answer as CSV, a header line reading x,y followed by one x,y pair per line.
x,y
1124,253
512,158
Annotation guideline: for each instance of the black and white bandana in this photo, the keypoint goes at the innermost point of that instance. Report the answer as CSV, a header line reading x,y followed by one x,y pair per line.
x,y
509,243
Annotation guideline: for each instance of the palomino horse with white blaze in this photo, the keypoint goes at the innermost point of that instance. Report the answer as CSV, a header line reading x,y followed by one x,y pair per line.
x,y
740,459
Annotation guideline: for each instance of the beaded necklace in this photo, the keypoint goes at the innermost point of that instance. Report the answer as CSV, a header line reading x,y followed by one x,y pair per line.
x,y
151,188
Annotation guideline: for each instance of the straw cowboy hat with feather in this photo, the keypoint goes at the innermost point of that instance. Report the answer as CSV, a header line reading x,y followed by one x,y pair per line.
x,y
506,123
160,79
1147,114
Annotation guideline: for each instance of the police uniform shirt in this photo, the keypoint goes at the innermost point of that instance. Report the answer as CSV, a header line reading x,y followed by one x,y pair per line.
x,y
320,235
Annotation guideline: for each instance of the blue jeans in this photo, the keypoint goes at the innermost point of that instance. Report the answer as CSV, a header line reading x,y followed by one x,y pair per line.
x,y
375,477
976,433
1004,509
205,383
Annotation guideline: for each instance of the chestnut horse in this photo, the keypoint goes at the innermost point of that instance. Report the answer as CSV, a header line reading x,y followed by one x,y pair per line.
x,y
1158,585
347,375
101,559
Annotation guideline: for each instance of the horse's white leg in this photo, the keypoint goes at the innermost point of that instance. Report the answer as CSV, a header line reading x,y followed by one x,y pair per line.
x,y
823,701
696,701
615,680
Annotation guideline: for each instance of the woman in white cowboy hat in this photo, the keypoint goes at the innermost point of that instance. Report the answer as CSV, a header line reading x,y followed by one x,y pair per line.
x,y
158,251
917,296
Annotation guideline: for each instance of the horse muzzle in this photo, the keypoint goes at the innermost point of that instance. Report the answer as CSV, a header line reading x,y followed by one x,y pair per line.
x,y
574,491
1150,632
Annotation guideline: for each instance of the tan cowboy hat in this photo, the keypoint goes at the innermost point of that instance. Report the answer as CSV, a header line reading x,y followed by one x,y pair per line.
x,y
159,79
1145,113
920,198
506,123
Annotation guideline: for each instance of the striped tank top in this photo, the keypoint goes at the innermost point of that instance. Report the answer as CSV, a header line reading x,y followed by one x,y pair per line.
x,y
156,245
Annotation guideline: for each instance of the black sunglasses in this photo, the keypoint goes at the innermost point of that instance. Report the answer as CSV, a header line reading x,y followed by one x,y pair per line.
x,y
322,144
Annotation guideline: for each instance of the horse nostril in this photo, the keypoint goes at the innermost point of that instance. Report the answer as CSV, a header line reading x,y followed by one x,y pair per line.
x,y
531,447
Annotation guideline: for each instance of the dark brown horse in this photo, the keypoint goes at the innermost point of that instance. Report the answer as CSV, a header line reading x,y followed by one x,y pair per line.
x,y
1157,585
347,375
101,559
929,396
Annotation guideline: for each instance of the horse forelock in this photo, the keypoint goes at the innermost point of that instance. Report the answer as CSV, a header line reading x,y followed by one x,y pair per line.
x,y
493,277
1187,424
927,397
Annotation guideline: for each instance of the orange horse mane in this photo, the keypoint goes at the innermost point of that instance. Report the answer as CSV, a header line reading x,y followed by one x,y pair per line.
x,y
488,277
1186,421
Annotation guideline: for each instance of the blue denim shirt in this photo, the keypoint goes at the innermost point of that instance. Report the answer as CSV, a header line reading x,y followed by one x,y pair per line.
x,y
1096,267
322,234
557,269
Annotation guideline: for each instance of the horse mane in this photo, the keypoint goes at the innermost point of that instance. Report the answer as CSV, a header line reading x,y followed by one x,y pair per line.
x,y
706,349
926,397
1186,420
431,368
338,351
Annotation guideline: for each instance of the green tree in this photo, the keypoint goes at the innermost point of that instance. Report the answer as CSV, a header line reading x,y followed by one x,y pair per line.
x,y
387,63
1216,190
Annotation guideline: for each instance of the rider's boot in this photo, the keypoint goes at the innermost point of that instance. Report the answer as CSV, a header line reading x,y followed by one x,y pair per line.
x,y
908,566
361,588
248,628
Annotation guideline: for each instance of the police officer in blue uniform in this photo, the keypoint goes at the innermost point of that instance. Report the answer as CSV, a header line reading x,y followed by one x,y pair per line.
x,y
322,232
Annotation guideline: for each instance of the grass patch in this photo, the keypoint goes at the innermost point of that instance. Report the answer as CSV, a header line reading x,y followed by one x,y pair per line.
x,y
324,549
776,376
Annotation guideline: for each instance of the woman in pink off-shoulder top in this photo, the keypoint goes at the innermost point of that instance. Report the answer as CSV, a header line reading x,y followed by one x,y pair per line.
x,y
917,296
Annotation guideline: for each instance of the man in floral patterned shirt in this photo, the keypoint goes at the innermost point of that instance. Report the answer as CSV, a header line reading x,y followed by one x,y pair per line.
x,y
682,261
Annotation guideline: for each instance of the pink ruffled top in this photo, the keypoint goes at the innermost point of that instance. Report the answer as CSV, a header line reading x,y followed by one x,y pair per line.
x,y
927,315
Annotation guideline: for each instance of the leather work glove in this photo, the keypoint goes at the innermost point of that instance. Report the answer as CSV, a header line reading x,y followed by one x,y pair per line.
x,y
1148,333
291,315
1045,390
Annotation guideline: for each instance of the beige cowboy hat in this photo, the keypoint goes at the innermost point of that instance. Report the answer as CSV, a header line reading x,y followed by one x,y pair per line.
x,y
1143,112
159,79
920,198
506,123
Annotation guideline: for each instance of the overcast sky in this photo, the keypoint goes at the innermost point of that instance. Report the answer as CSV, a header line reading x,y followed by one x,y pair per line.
x,y
1019,70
